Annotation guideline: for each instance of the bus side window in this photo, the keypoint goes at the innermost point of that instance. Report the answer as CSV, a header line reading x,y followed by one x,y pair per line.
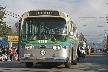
x,y
71,29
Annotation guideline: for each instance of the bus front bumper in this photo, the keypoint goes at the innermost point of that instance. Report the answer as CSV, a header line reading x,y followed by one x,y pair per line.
x,y
45,59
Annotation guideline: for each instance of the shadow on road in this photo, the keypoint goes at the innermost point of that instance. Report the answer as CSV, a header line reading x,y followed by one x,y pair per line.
x,y
96,62
16,64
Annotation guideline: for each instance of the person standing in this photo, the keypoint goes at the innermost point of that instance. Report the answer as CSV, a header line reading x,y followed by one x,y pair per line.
x,y
1,51
8,53
105,50
12,54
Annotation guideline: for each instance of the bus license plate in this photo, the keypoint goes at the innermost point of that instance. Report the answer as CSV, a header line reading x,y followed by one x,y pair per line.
x,y
26,55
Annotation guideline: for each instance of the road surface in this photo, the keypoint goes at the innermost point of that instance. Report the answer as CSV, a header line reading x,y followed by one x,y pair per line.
x,y
97,62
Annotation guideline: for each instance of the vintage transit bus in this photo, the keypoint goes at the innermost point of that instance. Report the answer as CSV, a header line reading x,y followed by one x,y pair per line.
x,y
47,36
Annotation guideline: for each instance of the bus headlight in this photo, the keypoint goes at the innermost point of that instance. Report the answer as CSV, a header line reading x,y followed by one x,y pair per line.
x,y
29,47
56,47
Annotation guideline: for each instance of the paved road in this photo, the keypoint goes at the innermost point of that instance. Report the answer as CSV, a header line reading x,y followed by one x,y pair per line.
x,y
97,62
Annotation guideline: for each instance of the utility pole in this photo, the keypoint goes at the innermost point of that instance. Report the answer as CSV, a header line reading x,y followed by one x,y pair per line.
x,y
107,31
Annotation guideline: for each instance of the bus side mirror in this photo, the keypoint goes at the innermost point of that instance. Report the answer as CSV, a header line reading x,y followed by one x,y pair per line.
x,y
71,33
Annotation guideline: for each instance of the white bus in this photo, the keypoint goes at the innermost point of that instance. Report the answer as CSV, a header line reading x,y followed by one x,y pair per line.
x,y
47,36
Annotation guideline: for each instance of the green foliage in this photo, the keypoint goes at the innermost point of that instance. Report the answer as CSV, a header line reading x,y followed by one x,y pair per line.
x,y
4,28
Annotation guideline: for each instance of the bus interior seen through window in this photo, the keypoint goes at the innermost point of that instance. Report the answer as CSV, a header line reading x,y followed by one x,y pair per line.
x,y
43,28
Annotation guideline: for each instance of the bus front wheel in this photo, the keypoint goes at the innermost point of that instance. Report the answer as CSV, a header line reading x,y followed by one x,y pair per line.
x,y
68,63
74,62
29,64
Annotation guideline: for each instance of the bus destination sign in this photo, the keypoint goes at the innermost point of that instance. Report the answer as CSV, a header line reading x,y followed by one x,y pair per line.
x,y
37,13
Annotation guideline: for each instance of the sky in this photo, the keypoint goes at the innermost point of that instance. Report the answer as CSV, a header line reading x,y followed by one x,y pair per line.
x,y
74,8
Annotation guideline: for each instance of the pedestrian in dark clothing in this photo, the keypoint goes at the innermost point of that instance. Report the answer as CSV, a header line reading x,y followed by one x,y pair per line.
x,y
8,53
105,50
11,56
78,53
17,51
3,51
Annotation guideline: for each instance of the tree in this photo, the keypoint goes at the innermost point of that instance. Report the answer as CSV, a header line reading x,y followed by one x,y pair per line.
x,y
4,28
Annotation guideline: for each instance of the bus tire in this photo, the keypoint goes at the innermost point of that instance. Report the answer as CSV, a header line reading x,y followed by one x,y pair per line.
x,y
67,64
29,64
75,62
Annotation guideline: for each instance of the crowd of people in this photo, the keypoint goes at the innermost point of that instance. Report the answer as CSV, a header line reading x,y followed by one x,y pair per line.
x,y
8,54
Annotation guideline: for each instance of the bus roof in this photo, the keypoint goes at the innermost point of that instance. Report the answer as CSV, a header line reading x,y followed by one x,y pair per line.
x,y
61,14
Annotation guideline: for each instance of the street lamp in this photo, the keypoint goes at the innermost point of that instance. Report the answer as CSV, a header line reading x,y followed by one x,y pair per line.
x,y
9,30
107,18
84,25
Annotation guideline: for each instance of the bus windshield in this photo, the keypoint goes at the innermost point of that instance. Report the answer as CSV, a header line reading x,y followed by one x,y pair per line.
x,y
43,29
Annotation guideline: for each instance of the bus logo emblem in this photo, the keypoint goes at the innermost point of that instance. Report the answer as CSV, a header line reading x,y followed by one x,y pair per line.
x,y
42,52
